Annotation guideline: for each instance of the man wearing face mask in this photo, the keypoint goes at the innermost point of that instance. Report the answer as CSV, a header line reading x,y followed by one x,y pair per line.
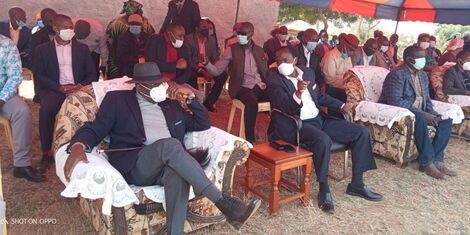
x,y
247,67
131,46
148,157
275,43
424,42
167,51
182,12
365,55
201,47
233,38
393,49
39,25
15,28
324,45
61,67
384,59
408,87
305,52
337,62
293,90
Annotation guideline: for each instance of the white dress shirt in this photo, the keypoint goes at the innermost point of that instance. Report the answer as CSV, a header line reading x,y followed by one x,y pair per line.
x,y
307,54
309,110
64,57
365,57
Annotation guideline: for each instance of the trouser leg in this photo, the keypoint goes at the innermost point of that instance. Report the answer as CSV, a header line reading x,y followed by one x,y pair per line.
x,y
250,100
339,94
444,130
423,143
96,62
50,106
319,143
217,88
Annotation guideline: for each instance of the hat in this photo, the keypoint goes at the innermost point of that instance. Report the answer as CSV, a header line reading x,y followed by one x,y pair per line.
x,y
136,18
351,40
130,7
147,73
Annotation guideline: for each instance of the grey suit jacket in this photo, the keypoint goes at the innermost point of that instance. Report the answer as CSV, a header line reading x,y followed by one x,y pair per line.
x,y
453,81
192,47
358,58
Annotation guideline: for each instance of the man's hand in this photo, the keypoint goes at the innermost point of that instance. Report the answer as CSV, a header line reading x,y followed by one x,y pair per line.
x,y
346,110
431,118
179,92
204,60
181,64
68,89
301,87
2,102
77,154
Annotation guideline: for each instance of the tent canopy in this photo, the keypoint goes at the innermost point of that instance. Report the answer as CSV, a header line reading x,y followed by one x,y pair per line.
x,y
438,11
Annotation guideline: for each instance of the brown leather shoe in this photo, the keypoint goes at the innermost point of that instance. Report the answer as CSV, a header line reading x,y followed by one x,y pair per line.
x,y
432,171
444,170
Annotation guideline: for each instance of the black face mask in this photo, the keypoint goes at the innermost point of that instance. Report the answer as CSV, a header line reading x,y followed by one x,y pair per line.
x,y
369,51
204,32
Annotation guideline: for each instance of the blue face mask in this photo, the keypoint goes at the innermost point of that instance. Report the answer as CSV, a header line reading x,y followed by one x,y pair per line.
x,y
135,29
41,24
242,39
419,63
336,42
345,55
20,24
311,45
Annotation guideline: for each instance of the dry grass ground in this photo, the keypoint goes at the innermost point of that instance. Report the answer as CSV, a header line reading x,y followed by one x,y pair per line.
x,y
414,203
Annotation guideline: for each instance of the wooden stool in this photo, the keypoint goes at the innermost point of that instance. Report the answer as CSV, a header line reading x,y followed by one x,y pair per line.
x,y
7,126
278,161
237,104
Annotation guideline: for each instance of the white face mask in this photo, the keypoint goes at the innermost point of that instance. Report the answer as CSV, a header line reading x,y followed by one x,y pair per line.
x,y
466,66
282,37
424,45
384,49
177,43
66,34
159,93
286,69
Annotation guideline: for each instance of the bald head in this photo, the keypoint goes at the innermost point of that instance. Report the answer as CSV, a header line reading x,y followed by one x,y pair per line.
x,y
310,35
17,16
176,32
383,41
47,16
82,29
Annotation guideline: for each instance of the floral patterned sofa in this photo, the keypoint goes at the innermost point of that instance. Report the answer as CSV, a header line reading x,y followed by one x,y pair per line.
x,y
109,202
437,78
391,127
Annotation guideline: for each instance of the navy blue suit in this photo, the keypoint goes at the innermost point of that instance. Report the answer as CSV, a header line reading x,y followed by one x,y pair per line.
x,y
120,117
46,73
399,90
23,41
319,132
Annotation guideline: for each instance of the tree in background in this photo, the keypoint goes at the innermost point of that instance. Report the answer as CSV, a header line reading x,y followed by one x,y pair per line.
x,y
445,32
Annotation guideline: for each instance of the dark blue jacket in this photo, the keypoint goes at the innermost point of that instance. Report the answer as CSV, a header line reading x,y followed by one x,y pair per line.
x,y
399,90
23,41
281,91
120,117
46,66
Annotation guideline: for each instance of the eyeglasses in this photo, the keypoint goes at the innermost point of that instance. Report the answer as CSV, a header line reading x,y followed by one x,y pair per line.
x,y
243,33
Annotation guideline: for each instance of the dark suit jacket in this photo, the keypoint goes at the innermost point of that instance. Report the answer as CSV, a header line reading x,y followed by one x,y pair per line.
x,y
188,17
281,91
358,58
126,52
155,51
46,66
314,62
271,46
23,41
399,90
38,38
453,81
192,47
120,117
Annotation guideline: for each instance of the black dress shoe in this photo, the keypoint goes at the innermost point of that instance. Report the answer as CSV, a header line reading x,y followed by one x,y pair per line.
x,y
363,192
28,173
209,106
45,163
236,211
325,202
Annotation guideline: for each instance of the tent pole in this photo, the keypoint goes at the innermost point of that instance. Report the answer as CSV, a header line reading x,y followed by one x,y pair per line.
x,y
238,9
396,26
399,15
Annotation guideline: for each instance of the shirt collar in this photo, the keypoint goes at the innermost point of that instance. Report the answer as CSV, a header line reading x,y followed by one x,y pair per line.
x,y
305,49
11,26
58,45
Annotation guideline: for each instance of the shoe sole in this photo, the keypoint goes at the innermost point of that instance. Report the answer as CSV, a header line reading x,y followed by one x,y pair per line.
x,y
362,196
237,225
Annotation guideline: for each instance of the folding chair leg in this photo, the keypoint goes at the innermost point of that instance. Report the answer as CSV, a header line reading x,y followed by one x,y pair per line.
x,y
345,168
230,119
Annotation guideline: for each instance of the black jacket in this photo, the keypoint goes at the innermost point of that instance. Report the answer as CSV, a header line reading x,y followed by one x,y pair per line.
x,y
155,51
38,38
188,17
281,91
453,81
23,41
46,66
271,46
120,117
314,62
126,52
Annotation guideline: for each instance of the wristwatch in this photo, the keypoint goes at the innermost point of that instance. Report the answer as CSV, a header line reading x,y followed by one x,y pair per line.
x,y
190,99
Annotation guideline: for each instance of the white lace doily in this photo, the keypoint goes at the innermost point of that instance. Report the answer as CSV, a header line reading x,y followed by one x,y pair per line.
x,y
380,114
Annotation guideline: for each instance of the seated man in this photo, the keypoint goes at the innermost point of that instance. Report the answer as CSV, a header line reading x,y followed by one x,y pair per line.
x,y
61,67
167,51
407,87
384,59
273,44
366,55
147,132
293,90
457,77
131,46
306,55
202,47
16,110
15,28
247,68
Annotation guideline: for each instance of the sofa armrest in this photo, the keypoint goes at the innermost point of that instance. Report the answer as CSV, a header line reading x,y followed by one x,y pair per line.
x,y
448,110
226,151
380,114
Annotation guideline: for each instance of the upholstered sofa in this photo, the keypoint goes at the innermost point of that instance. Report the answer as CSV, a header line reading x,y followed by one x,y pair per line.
x,y
109,202
437,78
391,127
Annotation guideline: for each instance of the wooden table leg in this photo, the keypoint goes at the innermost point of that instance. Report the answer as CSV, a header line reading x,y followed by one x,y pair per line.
x,y
274,198
249,176
306,184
